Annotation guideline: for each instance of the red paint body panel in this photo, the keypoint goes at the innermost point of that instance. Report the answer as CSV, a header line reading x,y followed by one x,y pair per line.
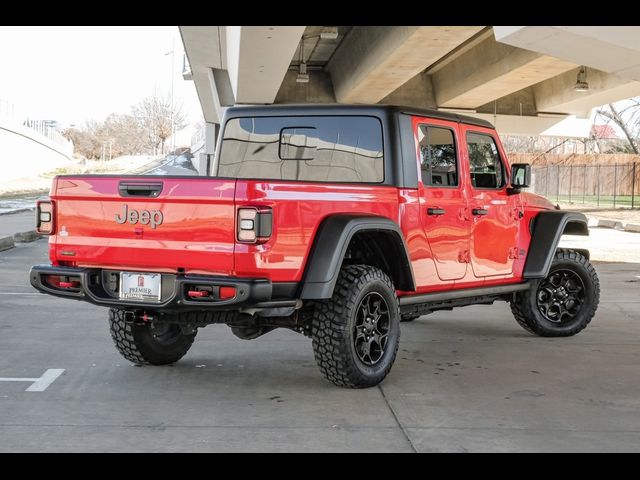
x,y
535,201
198,229
448,234
298,211
197,233
494,235
422,261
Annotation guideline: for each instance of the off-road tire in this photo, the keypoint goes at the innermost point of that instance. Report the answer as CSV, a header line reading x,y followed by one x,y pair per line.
x,y
527,314
136,341
333,325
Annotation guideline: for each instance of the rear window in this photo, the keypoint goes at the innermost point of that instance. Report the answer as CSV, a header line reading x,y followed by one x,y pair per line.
x,y
318,149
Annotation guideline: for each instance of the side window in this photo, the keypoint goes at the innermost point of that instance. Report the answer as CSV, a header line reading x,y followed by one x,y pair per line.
x,y
485,165
438,163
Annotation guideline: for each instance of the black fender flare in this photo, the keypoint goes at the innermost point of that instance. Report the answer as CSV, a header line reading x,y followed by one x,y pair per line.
x,y
547,228
330,246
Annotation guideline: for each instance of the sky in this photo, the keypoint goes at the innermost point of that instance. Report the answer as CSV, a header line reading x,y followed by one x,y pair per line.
x,y
75,74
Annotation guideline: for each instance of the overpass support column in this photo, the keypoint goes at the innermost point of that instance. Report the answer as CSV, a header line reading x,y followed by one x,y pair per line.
x,y
211,133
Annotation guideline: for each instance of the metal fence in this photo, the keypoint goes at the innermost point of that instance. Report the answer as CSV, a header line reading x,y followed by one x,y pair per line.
x,y
12,114
597,185
47,129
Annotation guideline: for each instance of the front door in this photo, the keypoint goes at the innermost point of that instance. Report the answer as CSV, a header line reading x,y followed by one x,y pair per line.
x,y
495,214
442,197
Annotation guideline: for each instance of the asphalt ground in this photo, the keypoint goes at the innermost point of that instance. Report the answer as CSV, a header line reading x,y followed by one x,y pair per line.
x,y
466,380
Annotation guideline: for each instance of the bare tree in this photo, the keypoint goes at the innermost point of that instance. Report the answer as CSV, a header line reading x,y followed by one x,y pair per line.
x,y
520,143
159,119
85,143
626,116
124,133
146,130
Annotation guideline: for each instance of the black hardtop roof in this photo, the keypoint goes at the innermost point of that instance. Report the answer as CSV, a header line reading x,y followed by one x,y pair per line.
x,y
340,109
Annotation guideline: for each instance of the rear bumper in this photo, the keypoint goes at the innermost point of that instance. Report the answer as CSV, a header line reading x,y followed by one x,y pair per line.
x,y
94,286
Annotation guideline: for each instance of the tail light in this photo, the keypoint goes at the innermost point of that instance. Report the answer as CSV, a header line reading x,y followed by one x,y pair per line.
x,y
254,224
44,217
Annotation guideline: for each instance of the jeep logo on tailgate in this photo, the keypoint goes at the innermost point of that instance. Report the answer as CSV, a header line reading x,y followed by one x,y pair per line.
x,y
145,217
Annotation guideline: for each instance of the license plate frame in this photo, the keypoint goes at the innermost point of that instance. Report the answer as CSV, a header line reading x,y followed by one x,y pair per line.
x,y
150,281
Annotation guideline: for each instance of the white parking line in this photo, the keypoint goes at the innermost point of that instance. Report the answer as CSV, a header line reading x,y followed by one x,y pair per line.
x,y
38,384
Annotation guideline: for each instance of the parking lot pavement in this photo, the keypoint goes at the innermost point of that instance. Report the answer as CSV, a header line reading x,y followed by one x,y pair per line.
x,y
13,223
607,244
466,380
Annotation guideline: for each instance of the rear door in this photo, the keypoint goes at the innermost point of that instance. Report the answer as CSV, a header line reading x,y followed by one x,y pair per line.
x,y
495,213
443,203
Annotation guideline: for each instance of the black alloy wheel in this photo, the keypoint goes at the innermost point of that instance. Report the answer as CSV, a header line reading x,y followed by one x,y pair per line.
x,y
371,329
560,296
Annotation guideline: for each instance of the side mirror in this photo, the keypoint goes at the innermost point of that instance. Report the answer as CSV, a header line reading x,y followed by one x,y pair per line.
x,y
520,175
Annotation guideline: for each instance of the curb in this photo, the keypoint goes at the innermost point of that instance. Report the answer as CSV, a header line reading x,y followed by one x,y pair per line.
x,y
6,243
10,241
610,224
28,236
615,224
19,210
592,222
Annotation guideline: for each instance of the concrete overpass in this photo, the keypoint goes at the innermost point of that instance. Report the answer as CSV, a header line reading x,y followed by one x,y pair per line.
x,y
521,78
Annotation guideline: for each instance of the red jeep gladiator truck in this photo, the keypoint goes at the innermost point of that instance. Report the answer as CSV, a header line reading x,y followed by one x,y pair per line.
x,y
336,221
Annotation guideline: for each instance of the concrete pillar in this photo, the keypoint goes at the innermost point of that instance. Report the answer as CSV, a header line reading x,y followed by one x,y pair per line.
x,y
258,58
492,70
205,159
372,62
211,131
238,64
417,92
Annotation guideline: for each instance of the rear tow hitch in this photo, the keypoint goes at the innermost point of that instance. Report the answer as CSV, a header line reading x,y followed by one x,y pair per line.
x,y
131,316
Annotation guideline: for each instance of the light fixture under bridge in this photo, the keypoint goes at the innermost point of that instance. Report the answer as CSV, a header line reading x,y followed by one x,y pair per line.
x,y
581,82
303,76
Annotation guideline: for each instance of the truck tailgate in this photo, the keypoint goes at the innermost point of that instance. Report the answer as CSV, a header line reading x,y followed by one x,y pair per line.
x,y
142,222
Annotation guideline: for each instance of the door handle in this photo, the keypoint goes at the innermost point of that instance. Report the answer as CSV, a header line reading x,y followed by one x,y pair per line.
x,y
480,211
139,189
436,211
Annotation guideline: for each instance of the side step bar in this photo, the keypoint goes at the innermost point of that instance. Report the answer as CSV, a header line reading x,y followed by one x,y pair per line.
x,y
453,295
